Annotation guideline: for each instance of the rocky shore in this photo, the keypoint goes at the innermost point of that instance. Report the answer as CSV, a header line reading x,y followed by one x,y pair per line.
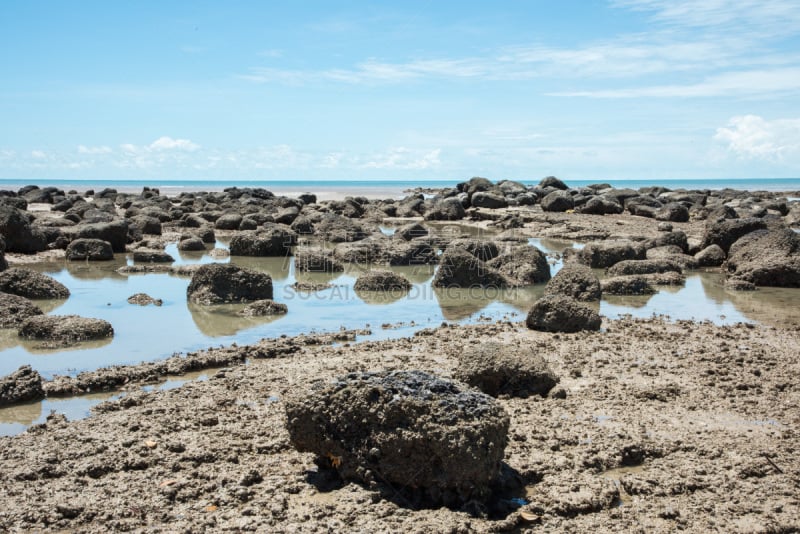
x,y
566,421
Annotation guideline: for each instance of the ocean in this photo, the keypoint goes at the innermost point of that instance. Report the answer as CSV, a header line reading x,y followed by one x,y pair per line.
x,y
388,187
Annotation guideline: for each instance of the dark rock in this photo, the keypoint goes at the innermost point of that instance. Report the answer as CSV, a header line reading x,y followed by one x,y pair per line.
x,y
308,198
115,232
146,224
711,256
303,225
380,280
606,253
146,255
143,299
228,221
272,240
191,244
316,260
459,268
217,283
601,205
488,200
673,212
31,284
481,249
557,313
15,202
664,227
770,259
287,215
725,233
411,231
677,238
627,285
22,385
15,228
15,310
673,254
404,431
501,369
365,252
263,308
338,229
474,185
575,281
448,209
416,252
558,201
525,264
737,284
65,328
630,267
552,181
89,249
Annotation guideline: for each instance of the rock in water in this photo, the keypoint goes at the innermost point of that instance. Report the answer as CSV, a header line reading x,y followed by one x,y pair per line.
x,y
217,283
407,430
499,369
31,284
15,310
459,268
143,299
89,249
24,384
262,308
576,281
380,280
65,328
556,313
767,259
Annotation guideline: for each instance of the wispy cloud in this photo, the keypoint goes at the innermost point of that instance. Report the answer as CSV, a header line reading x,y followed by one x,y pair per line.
x,y
753,137
94,150
168,143
404,158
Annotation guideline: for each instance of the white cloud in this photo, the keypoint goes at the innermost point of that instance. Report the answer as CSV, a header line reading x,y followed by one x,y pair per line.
x,y
38,154
168,143
753,137
94,150
404,158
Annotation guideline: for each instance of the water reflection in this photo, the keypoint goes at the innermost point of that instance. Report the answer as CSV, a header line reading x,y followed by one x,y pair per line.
x,y
223,319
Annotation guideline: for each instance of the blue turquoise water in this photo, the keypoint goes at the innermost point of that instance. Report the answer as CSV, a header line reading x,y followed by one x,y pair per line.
x,y
763,184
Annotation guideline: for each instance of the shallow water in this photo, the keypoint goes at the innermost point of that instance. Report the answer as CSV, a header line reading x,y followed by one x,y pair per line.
x,y
147,333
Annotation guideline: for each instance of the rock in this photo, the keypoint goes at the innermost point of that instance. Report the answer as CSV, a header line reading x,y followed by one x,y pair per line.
x,y
552,181
191,244
115,232
65,329
481,249
16,230
488,200
416,252
146,255
736,284
459,268
448,209
601,254
500,369
365,252
273,240
677,239
228,221
711,256
725,232
31,284
601,205
316,260
558,201
673,254
287,215
672,212
629,267
15,310
627,285
557,313
475,185
262,308
22,385
664,227
769,259
525,264
576,281
307,198
407,431
143,299
380,280
302,225
411,231
3,262
338,229
89,249
217,283
146,224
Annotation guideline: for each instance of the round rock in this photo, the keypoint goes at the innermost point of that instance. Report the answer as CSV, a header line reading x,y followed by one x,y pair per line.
x,y
89,249
576,281
31,284
382,281
15,310
217,283
65,328
556,313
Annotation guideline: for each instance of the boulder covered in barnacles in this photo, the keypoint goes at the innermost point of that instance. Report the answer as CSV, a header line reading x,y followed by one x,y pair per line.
x,y
436,441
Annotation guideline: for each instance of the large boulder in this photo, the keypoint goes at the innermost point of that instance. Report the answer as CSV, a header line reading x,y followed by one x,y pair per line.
x,y
22,385
576,281
115,232
488,200
411,231
15,310
526,264
317,260
404,431
416,252
148,255
217,283
273,240
672,212
503,369
31,284
89,249
557,313
145,224
459,268
552,181
65,329
19,235
711,256
558,201
481,249
339,229
228,221
629,267
725,232
768,259
380,280
601,254
448,209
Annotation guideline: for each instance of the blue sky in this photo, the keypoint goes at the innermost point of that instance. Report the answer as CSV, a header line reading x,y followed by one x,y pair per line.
x,y
404,90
